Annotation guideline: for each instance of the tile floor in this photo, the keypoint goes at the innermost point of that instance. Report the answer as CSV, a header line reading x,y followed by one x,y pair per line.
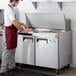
x,y
63,72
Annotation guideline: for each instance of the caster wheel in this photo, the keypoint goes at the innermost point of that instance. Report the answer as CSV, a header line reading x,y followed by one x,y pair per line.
x,y
68,66
20,65
57,71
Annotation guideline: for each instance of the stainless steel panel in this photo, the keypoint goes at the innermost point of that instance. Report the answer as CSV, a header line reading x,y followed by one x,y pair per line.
x,y
46,20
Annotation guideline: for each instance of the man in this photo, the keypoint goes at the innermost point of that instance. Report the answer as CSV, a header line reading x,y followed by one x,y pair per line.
x,y
11,27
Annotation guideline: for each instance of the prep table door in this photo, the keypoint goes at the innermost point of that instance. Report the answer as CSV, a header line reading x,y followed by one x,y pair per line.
x,y
25,50
47,52
28,50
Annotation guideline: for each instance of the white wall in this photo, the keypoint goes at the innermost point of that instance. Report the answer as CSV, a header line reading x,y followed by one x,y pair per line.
x,y
25,6
3,3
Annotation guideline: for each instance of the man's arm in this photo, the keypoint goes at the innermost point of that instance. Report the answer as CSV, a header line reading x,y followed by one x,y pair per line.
x,y
18,25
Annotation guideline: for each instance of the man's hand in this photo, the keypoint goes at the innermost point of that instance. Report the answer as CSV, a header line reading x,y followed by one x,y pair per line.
x,y
23,29
25,25
20,26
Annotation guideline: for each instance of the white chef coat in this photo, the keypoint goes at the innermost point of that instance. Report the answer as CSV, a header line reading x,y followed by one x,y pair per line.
x,y
9,15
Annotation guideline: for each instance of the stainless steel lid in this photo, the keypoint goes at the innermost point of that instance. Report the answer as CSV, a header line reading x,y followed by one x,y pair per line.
x,y
46,20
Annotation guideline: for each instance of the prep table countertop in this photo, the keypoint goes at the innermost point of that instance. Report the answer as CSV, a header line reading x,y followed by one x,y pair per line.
x,y
25,33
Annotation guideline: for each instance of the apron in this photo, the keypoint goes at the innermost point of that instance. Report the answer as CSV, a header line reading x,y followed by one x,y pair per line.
x,y
11,37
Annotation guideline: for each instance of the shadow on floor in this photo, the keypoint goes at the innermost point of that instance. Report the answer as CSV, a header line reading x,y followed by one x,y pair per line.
x,y
24,73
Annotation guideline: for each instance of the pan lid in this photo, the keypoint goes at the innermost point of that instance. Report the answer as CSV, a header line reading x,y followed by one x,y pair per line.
x,y
46,20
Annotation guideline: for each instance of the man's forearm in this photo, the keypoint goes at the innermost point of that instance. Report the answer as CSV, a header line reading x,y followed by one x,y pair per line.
x,y
17,25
